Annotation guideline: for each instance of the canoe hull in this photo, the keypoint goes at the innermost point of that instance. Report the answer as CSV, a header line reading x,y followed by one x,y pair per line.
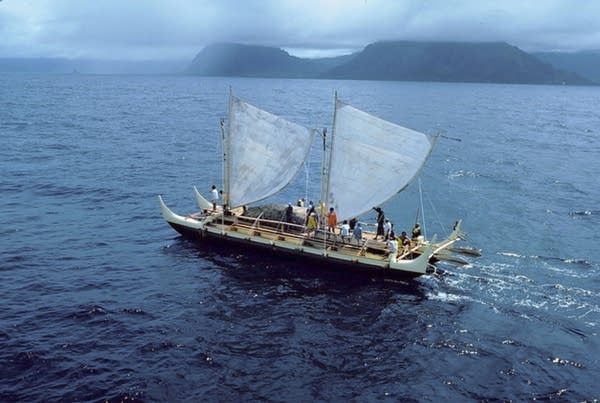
x,y
207,230
224,242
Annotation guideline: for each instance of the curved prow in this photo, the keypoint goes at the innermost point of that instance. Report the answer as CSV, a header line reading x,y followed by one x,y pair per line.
x,y
167,214
202,202
188,226
171,217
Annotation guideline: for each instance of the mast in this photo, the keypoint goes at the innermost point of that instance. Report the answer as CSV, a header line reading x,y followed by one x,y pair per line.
x,y
327,158
226,141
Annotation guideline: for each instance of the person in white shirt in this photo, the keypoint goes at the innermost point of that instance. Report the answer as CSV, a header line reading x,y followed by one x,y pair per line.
x,y
387,228
214,198
345,230
393,247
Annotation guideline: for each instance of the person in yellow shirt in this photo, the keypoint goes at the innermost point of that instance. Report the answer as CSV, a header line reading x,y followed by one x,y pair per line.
x,y
416,231
311,224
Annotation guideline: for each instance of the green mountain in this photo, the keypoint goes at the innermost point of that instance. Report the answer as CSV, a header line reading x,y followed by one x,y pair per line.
x,y
231,59
586,64
488,62
493,62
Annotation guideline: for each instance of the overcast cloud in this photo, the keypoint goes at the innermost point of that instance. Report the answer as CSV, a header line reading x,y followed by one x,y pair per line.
x,y
178,29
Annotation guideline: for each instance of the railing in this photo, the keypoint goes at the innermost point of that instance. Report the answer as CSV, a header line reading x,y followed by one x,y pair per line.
x,y
320,236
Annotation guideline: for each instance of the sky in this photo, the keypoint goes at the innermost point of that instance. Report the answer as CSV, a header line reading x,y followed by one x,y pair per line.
x,y
179,29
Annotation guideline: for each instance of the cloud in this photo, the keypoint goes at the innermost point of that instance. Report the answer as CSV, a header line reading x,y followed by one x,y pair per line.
x,y
154,29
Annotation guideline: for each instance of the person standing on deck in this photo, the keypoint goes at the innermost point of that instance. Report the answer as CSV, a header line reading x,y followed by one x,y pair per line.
x,y
357,234
289,213
393,247
331,220
345,230
310,210
321,213
380,221
214,197
311,224
387,228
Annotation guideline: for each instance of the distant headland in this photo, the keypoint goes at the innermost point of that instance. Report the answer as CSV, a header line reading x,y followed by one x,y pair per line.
x,y
477,62
484,62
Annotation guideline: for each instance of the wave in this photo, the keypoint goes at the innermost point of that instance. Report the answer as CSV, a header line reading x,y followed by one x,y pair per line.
x,y
562,361
447,297
584,213
87,312
462,173
511,254
522,289
133,311
575,261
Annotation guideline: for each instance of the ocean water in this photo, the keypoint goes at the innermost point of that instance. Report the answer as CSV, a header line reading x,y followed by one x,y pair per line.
x,y
102,300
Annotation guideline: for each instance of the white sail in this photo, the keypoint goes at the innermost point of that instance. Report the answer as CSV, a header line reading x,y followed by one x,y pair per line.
x,y
371,160
263,153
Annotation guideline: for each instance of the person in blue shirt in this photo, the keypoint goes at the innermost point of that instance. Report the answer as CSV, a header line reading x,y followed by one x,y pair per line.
x,y
357,234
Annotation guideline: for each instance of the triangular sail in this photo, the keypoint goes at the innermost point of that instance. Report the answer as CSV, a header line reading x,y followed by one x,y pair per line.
x,y
263,153
371,160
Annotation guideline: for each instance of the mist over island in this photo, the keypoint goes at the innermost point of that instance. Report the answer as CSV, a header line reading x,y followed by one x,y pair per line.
x,y
458,41
483,62
486,62
59,65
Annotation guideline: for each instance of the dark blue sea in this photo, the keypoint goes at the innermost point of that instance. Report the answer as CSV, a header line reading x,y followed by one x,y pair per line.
x,y
101,300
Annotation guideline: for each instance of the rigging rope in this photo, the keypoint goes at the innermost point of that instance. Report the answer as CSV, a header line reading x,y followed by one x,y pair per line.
x,y
437,216
307,179
422,210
